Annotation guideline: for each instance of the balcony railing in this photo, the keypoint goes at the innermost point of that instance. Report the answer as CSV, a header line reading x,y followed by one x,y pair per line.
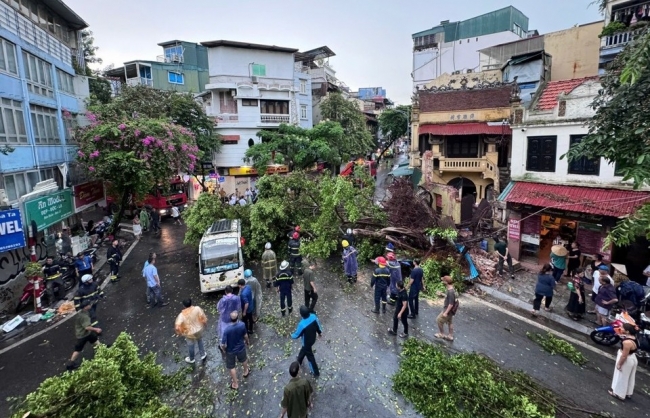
x,y
274,118
470,165
27,30
620,39
139,81
226,118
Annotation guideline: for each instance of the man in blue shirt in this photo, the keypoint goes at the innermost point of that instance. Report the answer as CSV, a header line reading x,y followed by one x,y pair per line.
x,y
83,264
234,342
247,304
416,284
146,263
153,283
307,328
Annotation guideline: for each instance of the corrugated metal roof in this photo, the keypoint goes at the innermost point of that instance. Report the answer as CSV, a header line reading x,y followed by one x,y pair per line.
x,y
473,128
548,99
597,201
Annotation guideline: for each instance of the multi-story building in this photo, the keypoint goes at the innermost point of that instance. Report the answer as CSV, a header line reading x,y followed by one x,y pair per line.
x,y
41,100
315,62
252,87
183,67
552,200
624,20
452,47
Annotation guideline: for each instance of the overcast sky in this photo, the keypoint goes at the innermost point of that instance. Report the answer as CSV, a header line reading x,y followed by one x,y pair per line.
x,y
371,38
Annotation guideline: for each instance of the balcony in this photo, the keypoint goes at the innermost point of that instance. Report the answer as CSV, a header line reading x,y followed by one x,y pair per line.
x,y
27,30
619,39
222,119
470,165
274,119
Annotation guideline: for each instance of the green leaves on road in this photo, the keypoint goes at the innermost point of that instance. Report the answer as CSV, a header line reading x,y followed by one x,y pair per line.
x,y
467,386
555,345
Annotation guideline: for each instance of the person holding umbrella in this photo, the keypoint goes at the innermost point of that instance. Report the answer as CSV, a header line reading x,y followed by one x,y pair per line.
x,y
558,260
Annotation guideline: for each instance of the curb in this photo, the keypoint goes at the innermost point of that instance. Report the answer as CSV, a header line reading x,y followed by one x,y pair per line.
x,y
526,306
67,318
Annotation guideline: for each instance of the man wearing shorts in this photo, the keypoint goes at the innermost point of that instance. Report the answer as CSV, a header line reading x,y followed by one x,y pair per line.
x,y
234,342
446,316
85,333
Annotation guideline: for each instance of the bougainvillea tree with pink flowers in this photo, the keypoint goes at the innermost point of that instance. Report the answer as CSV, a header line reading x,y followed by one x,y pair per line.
x,y
135,153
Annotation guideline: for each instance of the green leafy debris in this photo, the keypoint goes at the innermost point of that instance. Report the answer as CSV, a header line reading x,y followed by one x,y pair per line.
x,y
555,345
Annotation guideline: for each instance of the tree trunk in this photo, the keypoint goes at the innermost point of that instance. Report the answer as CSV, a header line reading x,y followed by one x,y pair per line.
x,y
115,226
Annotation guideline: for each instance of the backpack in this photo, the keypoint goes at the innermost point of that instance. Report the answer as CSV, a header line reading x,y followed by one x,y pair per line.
x,y
631,291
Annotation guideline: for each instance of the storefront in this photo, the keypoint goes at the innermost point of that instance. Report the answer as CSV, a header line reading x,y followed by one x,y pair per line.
x,y
542,215
87,195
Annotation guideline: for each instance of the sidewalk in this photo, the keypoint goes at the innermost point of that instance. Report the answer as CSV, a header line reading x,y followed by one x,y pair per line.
x,y
520,293
28,329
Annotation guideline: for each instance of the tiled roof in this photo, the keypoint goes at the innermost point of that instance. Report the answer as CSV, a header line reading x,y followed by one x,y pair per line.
x,y
464,99
471,128
605,202
548,99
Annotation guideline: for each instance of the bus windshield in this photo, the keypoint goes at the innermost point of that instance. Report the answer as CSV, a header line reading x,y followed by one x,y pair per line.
x,y
221,254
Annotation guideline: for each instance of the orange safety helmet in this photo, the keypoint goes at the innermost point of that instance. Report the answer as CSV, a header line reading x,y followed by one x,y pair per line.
x,y
295,235
390,256
381,261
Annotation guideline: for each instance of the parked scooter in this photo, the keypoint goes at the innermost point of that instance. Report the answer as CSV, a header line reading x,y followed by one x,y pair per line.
x,y
608,335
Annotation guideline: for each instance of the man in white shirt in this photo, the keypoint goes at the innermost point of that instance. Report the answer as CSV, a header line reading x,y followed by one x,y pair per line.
x,y
646,273
596,278
233,200
248,195
242,201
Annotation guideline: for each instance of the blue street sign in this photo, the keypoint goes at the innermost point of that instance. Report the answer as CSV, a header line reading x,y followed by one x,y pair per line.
x,y
11,230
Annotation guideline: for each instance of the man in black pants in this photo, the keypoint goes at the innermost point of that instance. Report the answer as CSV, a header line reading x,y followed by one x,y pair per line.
x,y
416,284
401,310
311,296
114,256
307,328
284,282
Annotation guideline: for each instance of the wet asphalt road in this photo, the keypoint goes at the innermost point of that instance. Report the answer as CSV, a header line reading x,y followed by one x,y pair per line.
x,y
356,355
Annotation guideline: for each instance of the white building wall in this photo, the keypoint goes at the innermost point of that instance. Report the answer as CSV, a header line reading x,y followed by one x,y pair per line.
x,y
548,123
230,61
454,56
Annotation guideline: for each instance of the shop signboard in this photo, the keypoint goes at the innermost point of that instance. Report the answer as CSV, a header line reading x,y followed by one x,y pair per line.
x,y
87,195
50,209
11,230
514,229
250,171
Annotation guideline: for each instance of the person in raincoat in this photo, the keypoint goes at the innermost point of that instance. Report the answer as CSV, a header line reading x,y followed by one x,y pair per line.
x,y
190,324
350,264
256,288
227,304
395,276
144,219
269,265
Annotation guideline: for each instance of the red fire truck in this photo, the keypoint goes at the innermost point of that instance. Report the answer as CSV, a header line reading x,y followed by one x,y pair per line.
x,y
160,199
370,166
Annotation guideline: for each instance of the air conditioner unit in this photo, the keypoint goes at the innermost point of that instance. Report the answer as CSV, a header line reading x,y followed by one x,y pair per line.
x,y
470,71
455,73
255,79
233,93
176,58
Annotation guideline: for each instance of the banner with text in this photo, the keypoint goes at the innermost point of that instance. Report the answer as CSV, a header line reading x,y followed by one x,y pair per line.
x,y
50,209
87,195
11,230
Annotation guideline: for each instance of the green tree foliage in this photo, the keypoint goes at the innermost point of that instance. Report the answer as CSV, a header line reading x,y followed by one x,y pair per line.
x,y
394,123
208,209
357,139
297,147
467,386
117,383
620,129
178,108
134,154
321,205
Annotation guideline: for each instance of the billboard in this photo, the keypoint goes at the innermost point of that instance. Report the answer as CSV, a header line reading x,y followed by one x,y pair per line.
x,y
87,195
372,93
11,230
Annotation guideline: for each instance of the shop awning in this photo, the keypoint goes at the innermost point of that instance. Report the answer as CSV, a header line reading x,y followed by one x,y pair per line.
x,y
471,128
402,172
604,202
229,139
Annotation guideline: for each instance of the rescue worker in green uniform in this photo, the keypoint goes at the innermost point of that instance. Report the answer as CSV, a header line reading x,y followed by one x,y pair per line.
x,y
269,265
295,259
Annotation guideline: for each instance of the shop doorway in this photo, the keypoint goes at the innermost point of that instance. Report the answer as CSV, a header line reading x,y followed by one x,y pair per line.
x,y
555,230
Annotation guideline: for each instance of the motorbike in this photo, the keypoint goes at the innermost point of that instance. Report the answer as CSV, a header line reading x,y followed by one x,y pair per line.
x,y
608,335
28,294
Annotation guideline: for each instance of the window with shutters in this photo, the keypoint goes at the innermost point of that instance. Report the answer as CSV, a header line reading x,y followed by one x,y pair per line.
x,y
462,147
541,153
584,165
